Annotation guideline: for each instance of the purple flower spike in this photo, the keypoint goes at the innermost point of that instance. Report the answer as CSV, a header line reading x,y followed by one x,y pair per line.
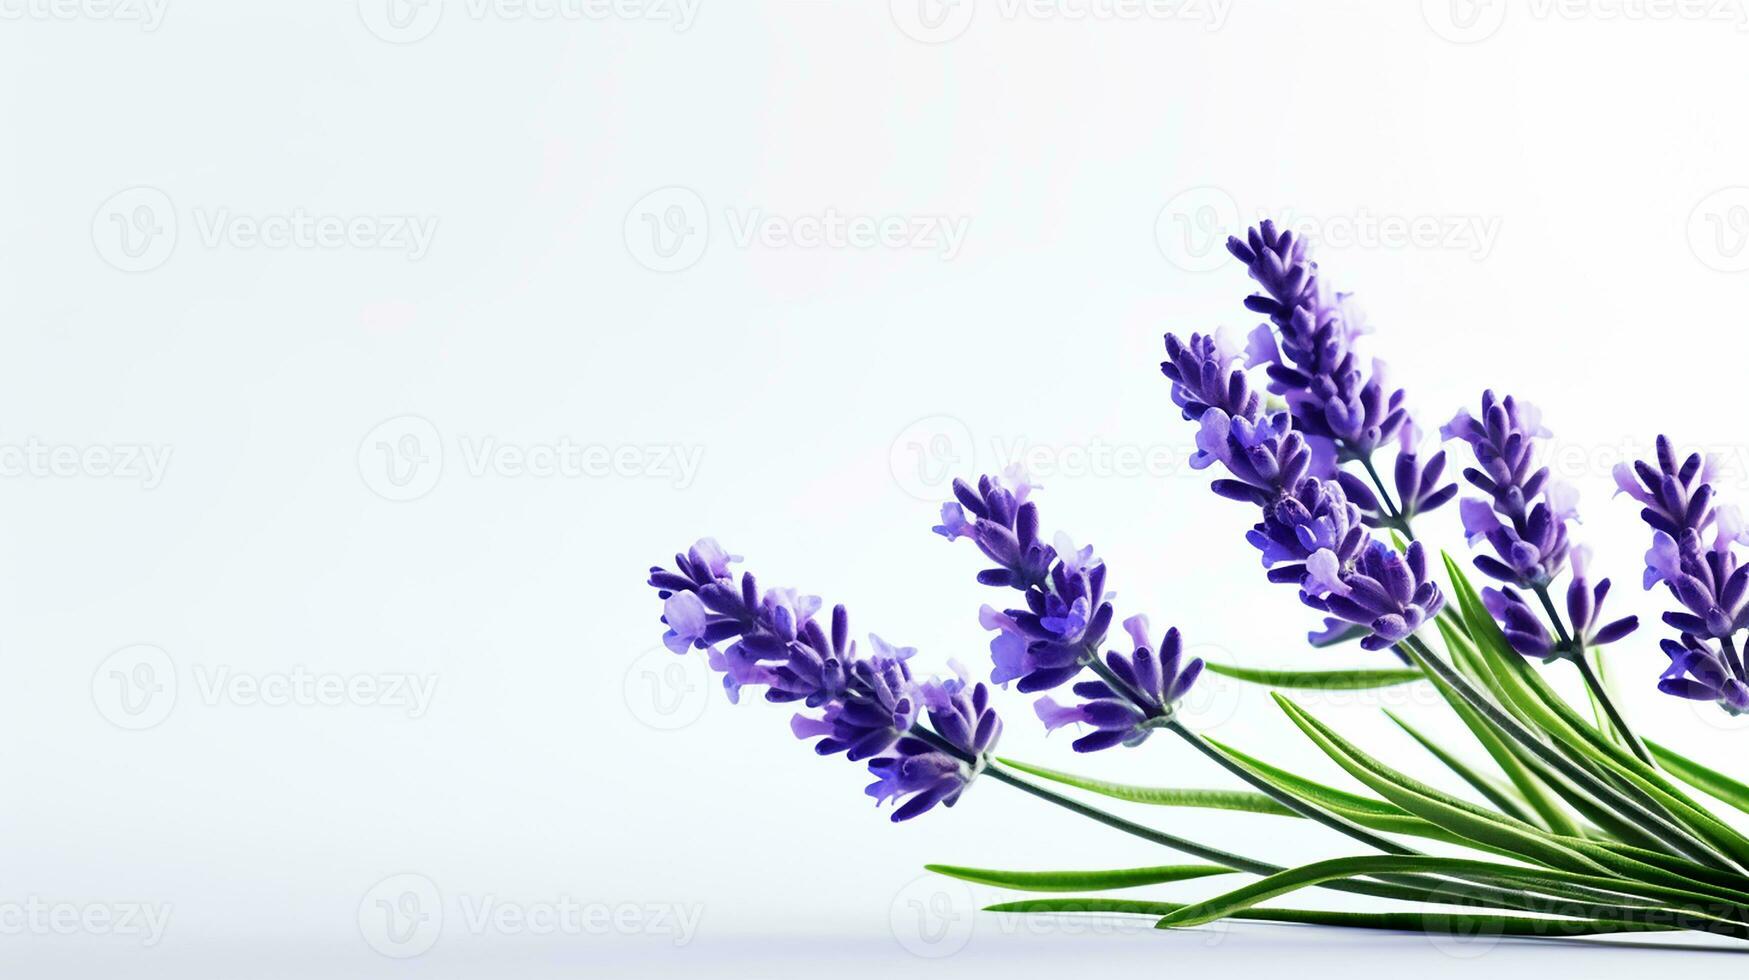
x,y
1387,592
1704,574
1525,515
1708,578
1003,525
1066,615
921,769
1698,672
1153,681
1331,393
870,708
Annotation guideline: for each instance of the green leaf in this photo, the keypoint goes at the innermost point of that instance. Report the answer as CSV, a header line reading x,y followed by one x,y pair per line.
x,y
1320,872
1465,819
1319,680
1423,922
1069,881
1709,781
1493,792
1206,799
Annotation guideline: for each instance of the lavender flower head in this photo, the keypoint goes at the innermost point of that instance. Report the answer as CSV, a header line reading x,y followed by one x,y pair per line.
x,y
1333,397
1706,576
1066,613
1310,534
1524,516
869,708
1149,684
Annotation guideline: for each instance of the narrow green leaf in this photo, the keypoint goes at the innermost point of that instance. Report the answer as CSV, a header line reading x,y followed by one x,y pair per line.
x,y
1514,760
1709,781
1495,793
1319,680
1293,879
1069,881
1205,799
1369,813
1458,816
1424,922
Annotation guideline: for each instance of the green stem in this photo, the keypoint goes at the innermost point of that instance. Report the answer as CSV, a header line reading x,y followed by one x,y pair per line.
x,y
1577,655
1580,778
1601,693
1397,520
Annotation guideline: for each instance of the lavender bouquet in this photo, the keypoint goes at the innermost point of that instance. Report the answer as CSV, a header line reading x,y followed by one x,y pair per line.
x,y
1577,826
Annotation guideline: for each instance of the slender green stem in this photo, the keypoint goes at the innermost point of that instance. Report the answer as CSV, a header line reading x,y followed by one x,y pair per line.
x,y
1576,653
1584,780
1601,693
1335,822
1397,520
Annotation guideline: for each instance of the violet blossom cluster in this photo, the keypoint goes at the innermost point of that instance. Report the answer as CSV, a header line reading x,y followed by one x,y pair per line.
x,y
870,708
1310,534
1341,404
1694,553
1523,516
1067,614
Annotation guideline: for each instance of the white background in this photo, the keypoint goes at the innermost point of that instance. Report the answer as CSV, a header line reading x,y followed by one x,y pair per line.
x,y
825,390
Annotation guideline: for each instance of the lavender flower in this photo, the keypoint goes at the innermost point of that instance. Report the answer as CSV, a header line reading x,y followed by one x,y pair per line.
x,y
1310,534
1707,578
870,707
1066,615
1699,673
919,767
1525,515
1387,592
1152,682
1315,367
1524,627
